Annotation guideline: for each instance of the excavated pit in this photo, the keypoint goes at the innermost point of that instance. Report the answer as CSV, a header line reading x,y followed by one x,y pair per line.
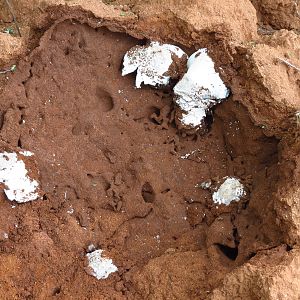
x,y
115,173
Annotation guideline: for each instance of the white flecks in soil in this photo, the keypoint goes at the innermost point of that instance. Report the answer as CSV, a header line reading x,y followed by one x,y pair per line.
x,y
100,267
199,90
18,186
187,155
70,210
26,153
151,62
205,185
230,190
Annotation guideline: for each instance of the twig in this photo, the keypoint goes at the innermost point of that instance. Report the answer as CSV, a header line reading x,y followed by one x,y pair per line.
x,y
289,64
11,69
13,16
4,71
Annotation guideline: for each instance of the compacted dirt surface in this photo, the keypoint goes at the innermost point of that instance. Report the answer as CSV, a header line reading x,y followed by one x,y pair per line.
x,y
115,171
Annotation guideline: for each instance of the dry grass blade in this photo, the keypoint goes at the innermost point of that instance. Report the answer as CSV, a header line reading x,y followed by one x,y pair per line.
x,y
10,8
289,64
4,71
11,69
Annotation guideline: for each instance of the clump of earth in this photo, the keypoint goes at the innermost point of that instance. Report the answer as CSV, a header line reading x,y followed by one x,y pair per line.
x,y
148,151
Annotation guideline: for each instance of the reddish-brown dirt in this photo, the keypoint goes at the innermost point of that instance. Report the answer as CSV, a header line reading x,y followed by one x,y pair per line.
x,y
112,154
112,166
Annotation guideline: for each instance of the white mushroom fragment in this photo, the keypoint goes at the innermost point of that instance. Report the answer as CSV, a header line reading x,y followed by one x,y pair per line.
x,y
100,267
199,90
18,184
230,190
152,63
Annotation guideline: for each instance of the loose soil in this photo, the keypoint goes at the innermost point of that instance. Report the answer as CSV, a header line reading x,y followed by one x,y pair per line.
x,y
113,174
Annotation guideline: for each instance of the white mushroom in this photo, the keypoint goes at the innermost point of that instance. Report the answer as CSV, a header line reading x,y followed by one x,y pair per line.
x,y
199,89
18,185
230,190
151,62
100,267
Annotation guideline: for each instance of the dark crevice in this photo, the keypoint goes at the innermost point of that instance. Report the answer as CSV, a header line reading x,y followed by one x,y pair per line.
x,y
253,254
26,94
24,82
209,119
1,119
143,42
20,143
231,253
21,119
245,204
236,236
165,191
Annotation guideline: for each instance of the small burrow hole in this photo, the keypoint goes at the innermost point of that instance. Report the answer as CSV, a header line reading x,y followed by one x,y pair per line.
x,y
67,51
148,193
56,291
105,100
229,252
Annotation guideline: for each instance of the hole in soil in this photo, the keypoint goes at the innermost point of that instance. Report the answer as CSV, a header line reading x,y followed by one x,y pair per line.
x,y
231,253
67,51
56,291
20,143
209,120
148,193
105,100
153,113
85,140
